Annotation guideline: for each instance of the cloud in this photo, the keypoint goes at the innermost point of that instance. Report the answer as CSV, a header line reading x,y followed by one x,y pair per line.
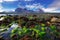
x,y
49,9
10,0
28,0
34,6
1,1
55,4
38,6
9,10
7,1
53,7
1,7
5,10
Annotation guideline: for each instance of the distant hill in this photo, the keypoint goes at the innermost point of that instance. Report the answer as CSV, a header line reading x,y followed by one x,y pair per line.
x,y
21,10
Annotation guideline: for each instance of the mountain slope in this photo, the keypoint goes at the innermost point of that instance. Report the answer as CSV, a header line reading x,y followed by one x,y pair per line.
x,y
21,10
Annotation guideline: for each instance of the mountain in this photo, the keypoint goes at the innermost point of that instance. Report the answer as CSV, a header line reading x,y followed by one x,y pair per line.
x,y
24,10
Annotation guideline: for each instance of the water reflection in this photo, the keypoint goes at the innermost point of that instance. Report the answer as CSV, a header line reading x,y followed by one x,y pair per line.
x,y
7,33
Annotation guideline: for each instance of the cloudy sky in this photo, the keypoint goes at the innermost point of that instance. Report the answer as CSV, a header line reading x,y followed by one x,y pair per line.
x,y
45,5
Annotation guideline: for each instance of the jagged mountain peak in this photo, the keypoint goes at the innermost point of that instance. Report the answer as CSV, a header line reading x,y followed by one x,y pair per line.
x,y
25,10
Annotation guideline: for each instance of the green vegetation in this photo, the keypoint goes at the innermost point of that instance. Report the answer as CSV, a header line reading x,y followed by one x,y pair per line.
x,y
30,28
